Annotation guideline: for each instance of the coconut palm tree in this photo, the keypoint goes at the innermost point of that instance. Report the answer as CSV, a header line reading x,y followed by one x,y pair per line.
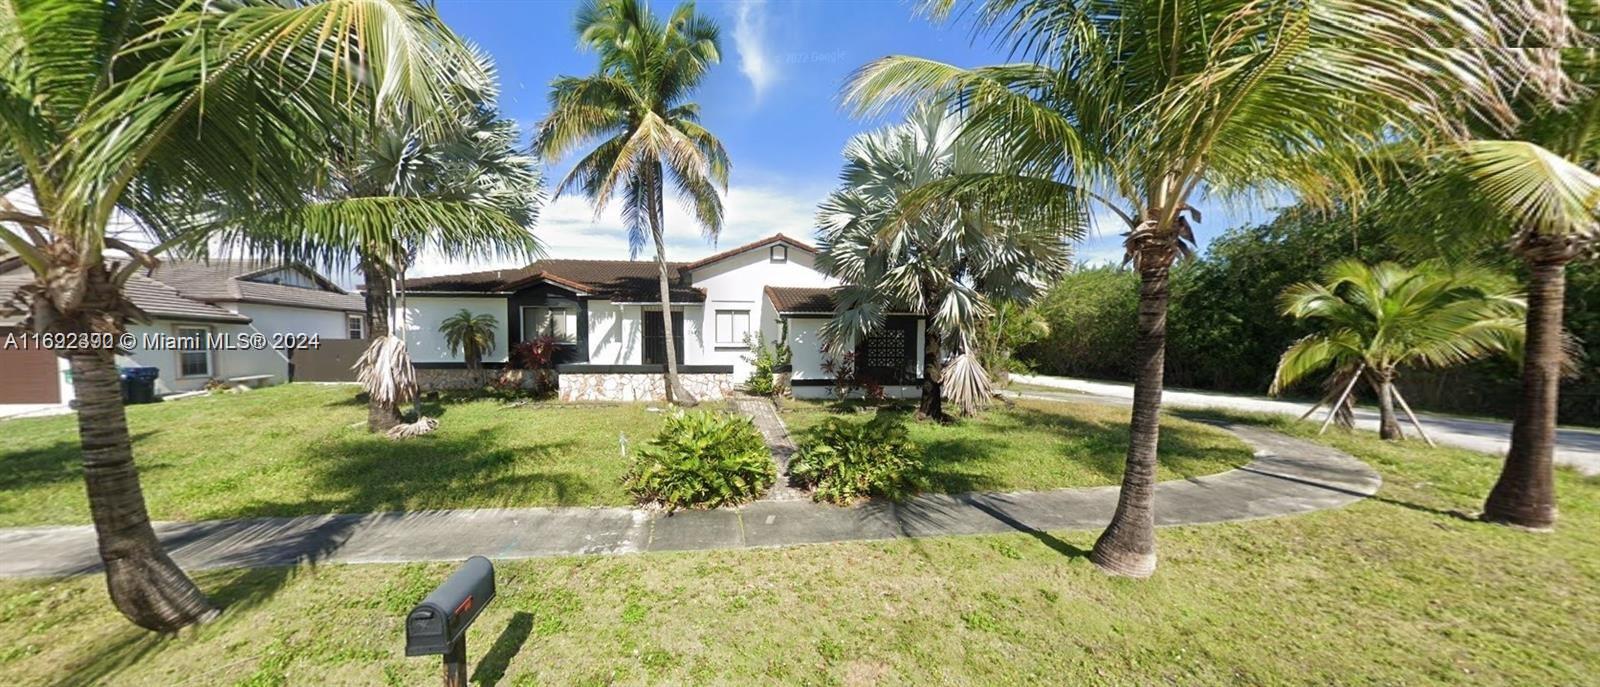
x,y
470,334
1552,197
147,109
1533,190
947,261
1146,105
1377,319
637,109
468,191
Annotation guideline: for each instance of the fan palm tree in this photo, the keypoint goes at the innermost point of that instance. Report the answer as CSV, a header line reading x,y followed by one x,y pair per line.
x,y
947,261
636,106
391,189
1143,105
470,334
1376,320
147,109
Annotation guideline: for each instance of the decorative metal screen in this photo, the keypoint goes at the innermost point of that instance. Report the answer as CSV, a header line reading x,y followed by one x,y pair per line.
x,y
887,349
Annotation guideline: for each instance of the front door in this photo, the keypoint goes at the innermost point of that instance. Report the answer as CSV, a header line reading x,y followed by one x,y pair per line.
x,y
655,343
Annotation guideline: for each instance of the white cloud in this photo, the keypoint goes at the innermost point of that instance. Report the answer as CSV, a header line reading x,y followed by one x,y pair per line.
x,y
568,228
750,39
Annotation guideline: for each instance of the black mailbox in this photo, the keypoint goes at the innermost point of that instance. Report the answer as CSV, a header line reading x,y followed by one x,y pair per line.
x,y
439,624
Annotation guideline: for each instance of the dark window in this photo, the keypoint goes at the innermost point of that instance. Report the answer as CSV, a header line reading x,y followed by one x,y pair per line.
x,y
780,253
355,327
193,358
655,340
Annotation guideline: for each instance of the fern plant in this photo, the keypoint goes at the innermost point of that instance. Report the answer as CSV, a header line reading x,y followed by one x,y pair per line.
x,y
842,461
702,459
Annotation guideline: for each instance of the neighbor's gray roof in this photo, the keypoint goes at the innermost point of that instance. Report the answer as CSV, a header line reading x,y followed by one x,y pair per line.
x,y
227,281
154,298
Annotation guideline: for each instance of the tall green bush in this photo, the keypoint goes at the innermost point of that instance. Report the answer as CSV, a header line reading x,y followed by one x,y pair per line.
x,y
1224,332
1091,314
701,459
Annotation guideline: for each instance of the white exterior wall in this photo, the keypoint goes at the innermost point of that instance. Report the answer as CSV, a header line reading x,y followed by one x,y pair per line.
x,y
280,319
738,283
424,314
614,334
805,340
224,363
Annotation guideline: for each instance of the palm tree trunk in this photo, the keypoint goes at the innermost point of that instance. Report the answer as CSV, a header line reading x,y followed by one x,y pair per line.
x,y
931,406
1128,546
145,584
1388,422
1525,494
379,301
675,392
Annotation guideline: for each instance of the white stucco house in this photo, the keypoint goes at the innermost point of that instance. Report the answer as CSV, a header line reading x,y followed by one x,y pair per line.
x,y
608,314
192,306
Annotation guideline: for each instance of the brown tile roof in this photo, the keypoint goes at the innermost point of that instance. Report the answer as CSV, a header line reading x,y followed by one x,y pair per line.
x,y
758,243
229,281
801,300
154,298
633,281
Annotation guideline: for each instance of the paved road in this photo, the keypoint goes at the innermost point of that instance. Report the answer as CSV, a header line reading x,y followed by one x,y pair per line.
x,y
1579,448
1287,476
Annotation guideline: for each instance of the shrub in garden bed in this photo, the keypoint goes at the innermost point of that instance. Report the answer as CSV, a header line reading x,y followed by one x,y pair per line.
x,y
701,459
842,460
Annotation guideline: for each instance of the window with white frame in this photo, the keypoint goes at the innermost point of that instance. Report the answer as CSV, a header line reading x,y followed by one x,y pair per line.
x,y
193,358
355,326
733,326
542,321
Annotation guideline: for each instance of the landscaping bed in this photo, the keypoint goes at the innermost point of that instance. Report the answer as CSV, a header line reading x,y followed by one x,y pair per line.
x,y
1391,590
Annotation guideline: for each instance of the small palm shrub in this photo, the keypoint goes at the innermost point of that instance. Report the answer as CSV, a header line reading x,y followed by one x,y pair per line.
x,y
765,359
843,460
702,459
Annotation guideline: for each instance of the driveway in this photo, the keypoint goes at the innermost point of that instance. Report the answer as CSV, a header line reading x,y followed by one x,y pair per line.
x,y
1578,448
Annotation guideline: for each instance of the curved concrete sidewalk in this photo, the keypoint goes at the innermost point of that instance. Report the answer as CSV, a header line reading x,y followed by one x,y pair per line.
x,y
1288,476
1577,447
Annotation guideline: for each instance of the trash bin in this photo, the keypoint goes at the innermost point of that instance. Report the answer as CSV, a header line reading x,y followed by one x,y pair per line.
x,y
139,384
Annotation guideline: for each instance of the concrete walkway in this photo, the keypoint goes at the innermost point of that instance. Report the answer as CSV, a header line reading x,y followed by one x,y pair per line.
x,y
1578,448
764,414
1288,476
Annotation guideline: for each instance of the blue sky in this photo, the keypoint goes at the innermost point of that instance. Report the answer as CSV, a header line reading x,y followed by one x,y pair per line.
x,y
773,101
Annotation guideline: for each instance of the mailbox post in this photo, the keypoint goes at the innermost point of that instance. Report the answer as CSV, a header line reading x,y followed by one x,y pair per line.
x,y
438,625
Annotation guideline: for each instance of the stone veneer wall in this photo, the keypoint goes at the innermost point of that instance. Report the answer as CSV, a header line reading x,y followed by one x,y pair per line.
x,y
638,386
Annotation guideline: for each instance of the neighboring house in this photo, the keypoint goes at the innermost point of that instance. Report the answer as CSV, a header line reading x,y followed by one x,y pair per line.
x,y
607,313
259,310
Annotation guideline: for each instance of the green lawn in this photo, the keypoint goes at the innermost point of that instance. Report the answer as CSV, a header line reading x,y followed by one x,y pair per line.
x,y
299,449
1043,445
1393,590
303,449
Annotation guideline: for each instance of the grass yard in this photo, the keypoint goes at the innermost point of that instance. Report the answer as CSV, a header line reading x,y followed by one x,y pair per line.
x,y
299,449
303,449
1392,590
1042,445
